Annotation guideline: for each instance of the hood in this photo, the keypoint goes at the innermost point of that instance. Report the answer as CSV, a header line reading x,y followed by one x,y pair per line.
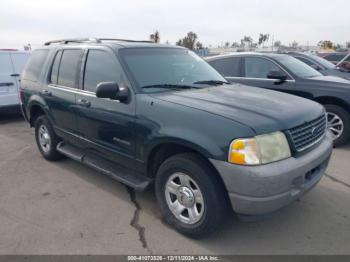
x,y
262,110
336,72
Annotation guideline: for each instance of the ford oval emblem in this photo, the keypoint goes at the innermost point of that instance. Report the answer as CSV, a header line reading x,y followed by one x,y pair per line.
x,y
313,131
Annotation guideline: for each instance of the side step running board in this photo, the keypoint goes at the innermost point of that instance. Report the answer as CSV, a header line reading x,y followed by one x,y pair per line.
x,y
132,179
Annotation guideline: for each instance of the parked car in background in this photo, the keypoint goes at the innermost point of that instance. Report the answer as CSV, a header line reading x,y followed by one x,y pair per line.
x,y
322,65
344,64
287,74
147,113
12,63
333,57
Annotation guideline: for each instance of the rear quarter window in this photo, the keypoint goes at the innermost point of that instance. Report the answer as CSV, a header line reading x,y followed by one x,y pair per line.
x,y
68,67
35,65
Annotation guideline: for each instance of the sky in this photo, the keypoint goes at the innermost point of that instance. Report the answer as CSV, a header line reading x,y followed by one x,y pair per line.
x,y
215,22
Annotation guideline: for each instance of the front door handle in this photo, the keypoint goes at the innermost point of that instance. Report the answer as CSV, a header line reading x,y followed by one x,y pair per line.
x,y
84,102
46,93
15,75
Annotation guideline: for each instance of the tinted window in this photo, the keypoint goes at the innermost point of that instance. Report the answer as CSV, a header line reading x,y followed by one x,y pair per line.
x,y
68,68
259,67
334,57
55,66
323,62
159,66
227,66
306,61
35,65
297,67
99,67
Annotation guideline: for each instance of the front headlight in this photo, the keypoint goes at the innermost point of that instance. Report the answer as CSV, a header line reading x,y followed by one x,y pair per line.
x,y
261,149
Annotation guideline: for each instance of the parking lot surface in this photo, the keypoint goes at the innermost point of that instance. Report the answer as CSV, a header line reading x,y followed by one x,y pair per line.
x,y
66,208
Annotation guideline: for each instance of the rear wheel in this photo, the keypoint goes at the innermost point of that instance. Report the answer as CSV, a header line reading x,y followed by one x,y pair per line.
x,y
338,123
191,196
46,139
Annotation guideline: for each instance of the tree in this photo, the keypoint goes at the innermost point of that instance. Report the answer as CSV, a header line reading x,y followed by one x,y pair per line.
x,y
246,41
189,41
277,44
263,38
294,44
199,45
234,45
155,37
326,44
347,44
227,44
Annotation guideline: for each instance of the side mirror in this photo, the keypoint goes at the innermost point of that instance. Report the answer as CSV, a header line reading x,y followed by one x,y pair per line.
x,y
278,75
112,91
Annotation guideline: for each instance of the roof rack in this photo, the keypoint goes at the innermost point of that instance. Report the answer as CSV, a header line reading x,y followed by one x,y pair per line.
x,y
125,40
93,40
73,40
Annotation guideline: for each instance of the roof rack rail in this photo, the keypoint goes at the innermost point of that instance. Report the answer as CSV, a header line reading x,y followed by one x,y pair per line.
x,y
94,40
125,40
73,40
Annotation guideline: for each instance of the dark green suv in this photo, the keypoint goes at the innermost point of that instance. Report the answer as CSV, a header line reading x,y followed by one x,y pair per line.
x,y
146,114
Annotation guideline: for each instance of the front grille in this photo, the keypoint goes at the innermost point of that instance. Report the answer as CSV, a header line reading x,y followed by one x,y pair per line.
x,y
308,134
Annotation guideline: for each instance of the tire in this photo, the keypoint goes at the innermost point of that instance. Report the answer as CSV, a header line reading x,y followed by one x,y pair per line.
x,y
44,131
208,201
340,127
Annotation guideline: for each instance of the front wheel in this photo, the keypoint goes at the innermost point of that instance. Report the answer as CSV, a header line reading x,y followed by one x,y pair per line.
x,y
338,123
190,195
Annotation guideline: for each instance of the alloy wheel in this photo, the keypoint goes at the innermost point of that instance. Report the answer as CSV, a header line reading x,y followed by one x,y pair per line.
x,y
44,138
184,198
335,125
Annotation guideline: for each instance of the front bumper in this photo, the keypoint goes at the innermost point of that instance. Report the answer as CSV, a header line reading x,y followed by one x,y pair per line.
x,y
258,190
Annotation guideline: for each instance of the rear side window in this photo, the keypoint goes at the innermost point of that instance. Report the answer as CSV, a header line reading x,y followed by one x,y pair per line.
x,y
35,65
68,67
334,57
99,67
227,66
259,67
55,67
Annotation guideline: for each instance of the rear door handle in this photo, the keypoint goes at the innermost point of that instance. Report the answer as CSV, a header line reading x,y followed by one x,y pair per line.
x,y
84,102
14,75
46,93
6,84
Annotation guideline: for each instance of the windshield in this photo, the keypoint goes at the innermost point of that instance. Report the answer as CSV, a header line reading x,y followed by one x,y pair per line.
x,y
153,67
325,63
297,67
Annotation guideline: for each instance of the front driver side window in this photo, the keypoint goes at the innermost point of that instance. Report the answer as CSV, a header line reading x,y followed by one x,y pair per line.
x,y
256,67
99,67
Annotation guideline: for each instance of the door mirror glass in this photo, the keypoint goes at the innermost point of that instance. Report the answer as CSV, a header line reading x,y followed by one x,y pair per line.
x,y
278,75
112,91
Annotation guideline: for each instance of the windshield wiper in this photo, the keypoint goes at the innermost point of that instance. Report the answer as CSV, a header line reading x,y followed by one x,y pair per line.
x,y
212,82
169,86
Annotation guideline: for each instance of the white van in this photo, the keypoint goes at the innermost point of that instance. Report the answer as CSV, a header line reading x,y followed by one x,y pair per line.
x,y
12,63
